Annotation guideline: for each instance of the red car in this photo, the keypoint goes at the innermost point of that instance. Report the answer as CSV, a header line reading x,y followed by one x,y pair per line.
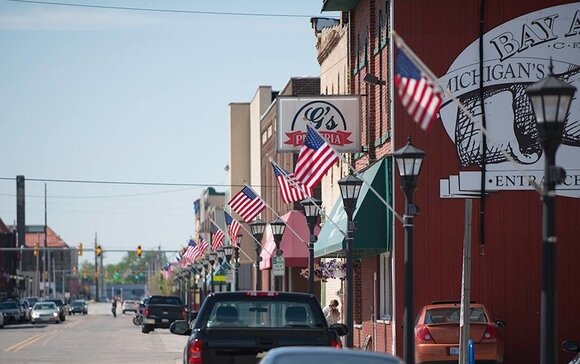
x,y
437,333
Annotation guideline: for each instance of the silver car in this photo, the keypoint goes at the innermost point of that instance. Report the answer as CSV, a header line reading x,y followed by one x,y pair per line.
x,y
45,312
12,311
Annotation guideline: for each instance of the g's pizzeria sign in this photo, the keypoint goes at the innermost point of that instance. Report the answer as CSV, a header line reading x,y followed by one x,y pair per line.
x,y
336,118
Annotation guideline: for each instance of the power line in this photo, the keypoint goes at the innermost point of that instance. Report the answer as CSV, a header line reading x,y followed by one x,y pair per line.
x,y
157,10
131,183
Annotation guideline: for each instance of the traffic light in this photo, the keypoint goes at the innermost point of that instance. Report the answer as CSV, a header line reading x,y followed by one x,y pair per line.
x,y
139,251
99,250
80,249
36,249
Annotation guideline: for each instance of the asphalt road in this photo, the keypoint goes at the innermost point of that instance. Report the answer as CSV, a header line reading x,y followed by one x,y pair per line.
x,y
95,338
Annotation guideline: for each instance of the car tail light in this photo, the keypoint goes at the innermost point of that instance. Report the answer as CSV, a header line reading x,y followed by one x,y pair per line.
x,y
194,351
490,332
261,293
423,334
336,344
146,312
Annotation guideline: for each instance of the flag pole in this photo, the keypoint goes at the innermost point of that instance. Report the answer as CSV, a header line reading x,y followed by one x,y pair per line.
x,y
359,175
243,252
252,235
280,217
447,93
309,198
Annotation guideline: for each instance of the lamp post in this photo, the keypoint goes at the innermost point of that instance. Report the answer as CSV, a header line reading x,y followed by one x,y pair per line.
x,y
278,226
312,213
228,252
211,257
551,99
409,160
221,257
257,227
237,261
349,189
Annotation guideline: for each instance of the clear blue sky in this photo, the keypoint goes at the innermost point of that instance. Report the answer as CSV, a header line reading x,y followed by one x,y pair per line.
x,y
125,95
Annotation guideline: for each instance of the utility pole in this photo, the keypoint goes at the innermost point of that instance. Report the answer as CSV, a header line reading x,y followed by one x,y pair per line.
x,y
45,262
96,272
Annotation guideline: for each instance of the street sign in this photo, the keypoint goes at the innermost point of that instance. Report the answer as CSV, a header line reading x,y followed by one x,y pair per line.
x,y
230,276
278,265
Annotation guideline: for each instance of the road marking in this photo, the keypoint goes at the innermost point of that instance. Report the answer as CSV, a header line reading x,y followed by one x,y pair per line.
x,y
24,343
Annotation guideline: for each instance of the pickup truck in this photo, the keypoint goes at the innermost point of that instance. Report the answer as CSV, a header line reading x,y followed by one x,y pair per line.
x,y
161,312
240,327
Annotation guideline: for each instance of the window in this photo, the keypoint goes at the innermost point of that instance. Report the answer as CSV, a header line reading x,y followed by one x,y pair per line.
x,y
385,311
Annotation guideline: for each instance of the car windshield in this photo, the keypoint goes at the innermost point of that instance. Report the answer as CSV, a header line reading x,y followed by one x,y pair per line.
x,y
8,305
44,306
259,313
450,315
57,302
77,303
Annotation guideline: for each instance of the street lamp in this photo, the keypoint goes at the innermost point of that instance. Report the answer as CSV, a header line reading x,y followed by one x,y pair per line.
x,y
228,252
312,213
211,257
551,99
409,160
237,260
349,189
257,227
278,226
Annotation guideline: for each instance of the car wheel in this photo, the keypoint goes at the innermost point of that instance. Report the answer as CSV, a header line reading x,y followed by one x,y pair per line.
x,y
123,312
146,329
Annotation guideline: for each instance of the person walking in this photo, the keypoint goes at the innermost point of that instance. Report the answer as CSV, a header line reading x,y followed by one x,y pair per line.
x,y
331,312
114,307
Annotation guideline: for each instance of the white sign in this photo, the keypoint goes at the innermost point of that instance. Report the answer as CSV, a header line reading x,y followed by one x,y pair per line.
x,y
278,265
336,118
516,55
229,276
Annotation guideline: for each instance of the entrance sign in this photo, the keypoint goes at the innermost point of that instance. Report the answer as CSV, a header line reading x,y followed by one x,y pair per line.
x,y
516,55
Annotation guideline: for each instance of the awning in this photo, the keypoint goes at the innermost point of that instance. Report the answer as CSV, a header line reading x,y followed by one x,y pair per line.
x,y
339,5
373,219
294,248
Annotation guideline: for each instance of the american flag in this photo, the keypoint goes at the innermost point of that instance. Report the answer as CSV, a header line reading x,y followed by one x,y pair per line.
x,y
416,90
200,248
316,157
247,204
233,228
217,239
188,255
290,189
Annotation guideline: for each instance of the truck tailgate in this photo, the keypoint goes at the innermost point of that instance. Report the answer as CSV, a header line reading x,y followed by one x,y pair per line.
x,y
242,346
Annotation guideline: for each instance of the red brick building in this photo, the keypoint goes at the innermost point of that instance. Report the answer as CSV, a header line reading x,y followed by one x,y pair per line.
x,y
510,45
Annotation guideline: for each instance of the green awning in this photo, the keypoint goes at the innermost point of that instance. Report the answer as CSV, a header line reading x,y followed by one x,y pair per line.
x,y
373,219
339,5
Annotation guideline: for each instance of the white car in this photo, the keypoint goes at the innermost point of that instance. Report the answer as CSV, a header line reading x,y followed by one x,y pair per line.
x,y
130,305
45,312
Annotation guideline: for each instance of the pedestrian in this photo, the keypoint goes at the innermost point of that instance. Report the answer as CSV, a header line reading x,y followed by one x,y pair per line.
x,y
114,307
331,312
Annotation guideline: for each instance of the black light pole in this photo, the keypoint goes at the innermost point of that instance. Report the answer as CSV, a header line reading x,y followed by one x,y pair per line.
x,y
221,257
278,226
551,99
257,227
228,252
312,213
205,266
409,160
211,257
349,189
237,262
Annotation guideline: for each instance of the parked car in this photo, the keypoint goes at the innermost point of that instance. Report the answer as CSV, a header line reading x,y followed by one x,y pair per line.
x,y
130,305
572,346
78,306
437,333
317,355
12,311
26,310
61,307
45,311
